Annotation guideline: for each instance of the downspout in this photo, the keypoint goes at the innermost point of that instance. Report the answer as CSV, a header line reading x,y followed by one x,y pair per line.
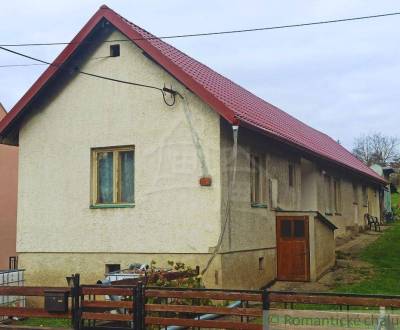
x,y
226,220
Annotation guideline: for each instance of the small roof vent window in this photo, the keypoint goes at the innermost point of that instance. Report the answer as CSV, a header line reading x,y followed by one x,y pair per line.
x,y
114,50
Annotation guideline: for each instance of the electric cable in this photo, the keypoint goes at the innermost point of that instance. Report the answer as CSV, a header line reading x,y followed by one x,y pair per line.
x,y
204,34
20,65
76,69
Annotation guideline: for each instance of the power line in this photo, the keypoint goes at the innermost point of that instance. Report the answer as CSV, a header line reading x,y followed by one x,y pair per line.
x,y
162,90
20,65
339,20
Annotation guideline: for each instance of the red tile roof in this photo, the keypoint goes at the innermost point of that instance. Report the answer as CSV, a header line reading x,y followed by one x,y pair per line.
x,y
231,101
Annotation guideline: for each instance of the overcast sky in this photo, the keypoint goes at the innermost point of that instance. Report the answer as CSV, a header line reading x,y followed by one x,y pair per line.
x,y
342,79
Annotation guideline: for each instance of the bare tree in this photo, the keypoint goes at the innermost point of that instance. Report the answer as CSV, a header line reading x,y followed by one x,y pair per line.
x,y
376,148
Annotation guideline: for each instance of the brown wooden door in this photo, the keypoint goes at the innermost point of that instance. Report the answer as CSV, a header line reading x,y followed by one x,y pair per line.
x,y
293,248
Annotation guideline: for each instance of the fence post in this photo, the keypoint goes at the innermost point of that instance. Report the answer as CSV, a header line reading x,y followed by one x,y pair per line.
x,y
75,293
139,312
266,307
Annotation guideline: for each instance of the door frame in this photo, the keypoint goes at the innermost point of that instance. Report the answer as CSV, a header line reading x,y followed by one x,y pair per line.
x,y
307,239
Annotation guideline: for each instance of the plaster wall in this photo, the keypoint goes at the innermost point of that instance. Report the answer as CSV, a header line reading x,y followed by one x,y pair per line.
x,y
50,269
250,231
8,201
173,214
350,217
250,269
324,246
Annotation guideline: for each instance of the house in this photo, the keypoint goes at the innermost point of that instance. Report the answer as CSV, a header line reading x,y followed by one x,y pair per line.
x,y
8,200
203,172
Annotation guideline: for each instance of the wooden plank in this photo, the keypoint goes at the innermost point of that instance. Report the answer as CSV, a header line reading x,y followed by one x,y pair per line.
x,y
334,300
28,290
32,312
110,291
107,304
202,323
205,310
106,316
192,294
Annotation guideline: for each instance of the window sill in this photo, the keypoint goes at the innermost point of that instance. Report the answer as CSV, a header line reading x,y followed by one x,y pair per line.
x,y
338,213
328,213
259,206
112,206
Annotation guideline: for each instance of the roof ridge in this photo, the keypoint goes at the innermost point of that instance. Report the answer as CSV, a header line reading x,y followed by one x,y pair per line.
x,y
222,94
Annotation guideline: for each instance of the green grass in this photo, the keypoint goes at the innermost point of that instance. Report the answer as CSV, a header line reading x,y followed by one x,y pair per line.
x,y
42,322
384,255
395,200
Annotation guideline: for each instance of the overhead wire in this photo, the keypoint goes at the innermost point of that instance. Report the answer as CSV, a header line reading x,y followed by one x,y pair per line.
x,y
197,34
77,70
20,65
204,34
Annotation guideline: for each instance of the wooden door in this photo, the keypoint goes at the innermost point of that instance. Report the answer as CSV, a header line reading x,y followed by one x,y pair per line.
x,y
293,248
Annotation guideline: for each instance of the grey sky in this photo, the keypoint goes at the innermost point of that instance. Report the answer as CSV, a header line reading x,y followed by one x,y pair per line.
x,y
342,79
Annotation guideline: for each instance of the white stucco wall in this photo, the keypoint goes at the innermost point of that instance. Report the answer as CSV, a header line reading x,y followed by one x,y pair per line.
x,y
172,213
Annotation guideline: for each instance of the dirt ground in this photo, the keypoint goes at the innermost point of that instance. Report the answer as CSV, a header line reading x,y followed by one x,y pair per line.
x,y
348,269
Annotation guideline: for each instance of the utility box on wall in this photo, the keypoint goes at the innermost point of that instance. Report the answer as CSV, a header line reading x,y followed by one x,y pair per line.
x,y
56,301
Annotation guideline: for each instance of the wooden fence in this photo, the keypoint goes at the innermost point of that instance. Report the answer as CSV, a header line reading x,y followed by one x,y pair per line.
x,y
137,307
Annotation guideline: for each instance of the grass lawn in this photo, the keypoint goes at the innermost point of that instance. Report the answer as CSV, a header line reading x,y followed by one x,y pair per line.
x,y
384,255
395,200
42,322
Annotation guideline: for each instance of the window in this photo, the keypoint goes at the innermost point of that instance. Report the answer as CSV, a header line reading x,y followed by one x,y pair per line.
x,y
113,176
291,175
258,181
294,228
328,194
286,228
261,263
299,228
110,268
337,196
114,50
365,196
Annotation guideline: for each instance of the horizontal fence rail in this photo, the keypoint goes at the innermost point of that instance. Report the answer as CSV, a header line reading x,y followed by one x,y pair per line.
x,y
28,291
138,307
215,295
203,308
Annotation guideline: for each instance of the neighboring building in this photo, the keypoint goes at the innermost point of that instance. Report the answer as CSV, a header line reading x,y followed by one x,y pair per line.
x,y
385,193
8,200
111,175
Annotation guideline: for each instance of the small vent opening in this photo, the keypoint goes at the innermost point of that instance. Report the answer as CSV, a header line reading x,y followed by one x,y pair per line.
x,y
115,50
